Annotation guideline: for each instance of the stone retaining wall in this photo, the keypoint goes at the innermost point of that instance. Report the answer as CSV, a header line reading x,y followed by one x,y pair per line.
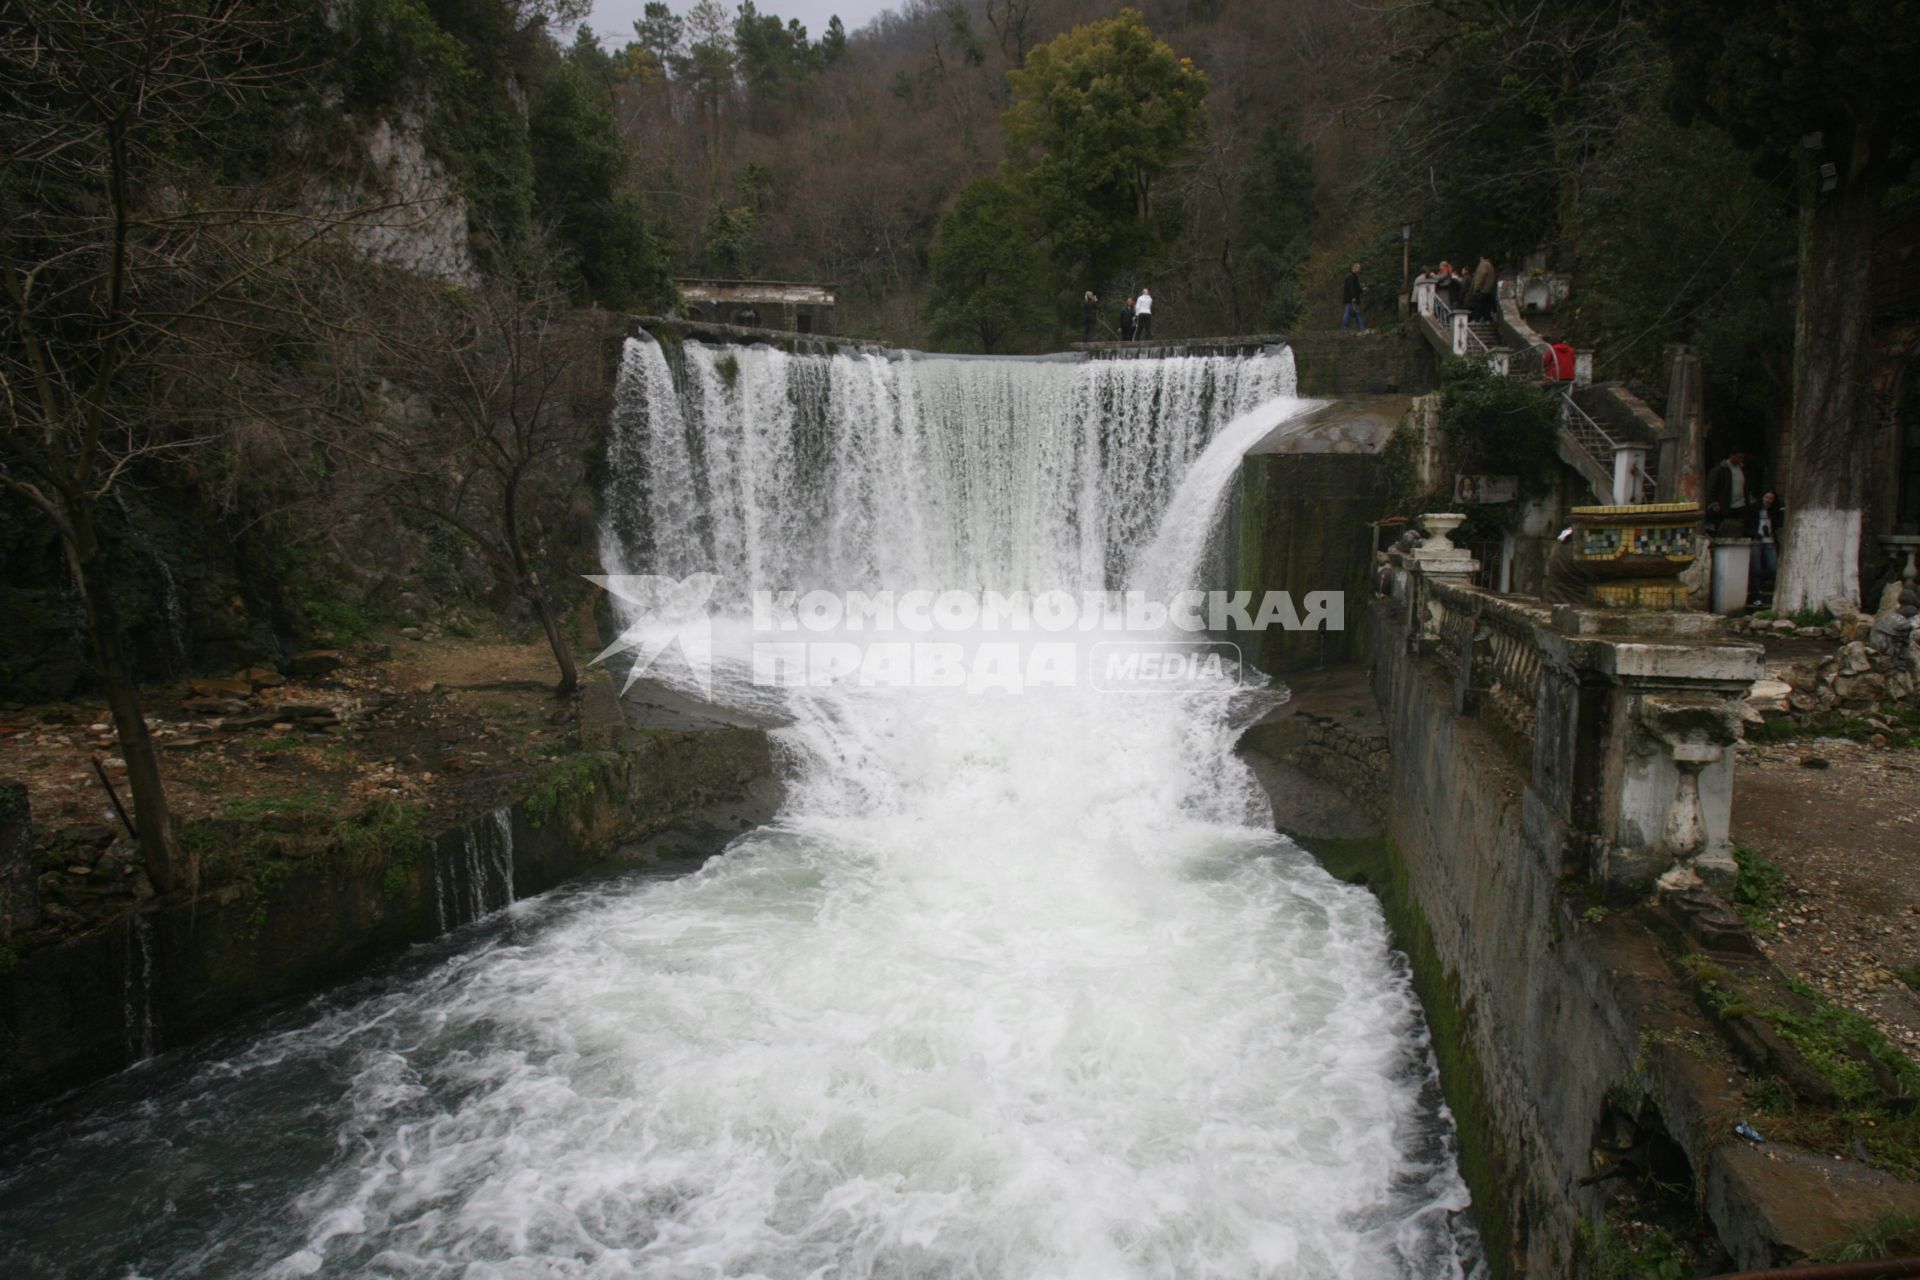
x,y
172,970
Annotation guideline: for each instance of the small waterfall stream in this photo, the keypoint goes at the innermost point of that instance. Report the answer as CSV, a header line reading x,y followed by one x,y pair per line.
x,y
473,878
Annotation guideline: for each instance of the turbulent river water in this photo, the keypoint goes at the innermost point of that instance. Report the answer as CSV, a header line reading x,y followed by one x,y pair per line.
x,y
1019,984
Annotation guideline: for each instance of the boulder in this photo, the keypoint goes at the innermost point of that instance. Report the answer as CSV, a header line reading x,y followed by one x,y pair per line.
x,y
262,678
216,687
1769,695
1869,687
316,662
1854,659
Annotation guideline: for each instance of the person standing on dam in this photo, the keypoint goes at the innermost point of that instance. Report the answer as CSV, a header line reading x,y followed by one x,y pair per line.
x,y
1143,314
1350,291
1089,315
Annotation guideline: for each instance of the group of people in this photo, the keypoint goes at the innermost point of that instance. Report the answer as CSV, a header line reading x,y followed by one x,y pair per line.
x,y
1735,510
1478,290
1136,316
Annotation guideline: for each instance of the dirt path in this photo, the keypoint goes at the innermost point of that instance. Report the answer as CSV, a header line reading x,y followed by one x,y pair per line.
x,y
444,726
1841,819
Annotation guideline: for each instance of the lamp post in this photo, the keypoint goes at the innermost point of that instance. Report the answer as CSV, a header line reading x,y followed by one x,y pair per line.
x,y
1406,254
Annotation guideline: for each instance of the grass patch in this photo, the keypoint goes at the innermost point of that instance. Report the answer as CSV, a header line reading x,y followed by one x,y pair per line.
x,y
306,802
1891,1235
1757,890
1626,1247
276,746
340,620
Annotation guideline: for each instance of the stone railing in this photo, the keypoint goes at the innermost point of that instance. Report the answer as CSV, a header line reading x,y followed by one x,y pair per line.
x,y
1623,723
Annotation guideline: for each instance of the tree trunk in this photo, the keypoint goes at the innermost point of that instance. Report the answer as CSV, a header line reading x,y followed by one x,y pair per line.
x,y
550,622
159,843
1832,422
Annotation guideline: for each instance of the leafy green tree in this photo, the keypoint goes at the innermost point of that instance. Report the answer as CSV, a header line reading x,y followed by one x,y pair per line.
x,y
774,57
1099,116
1276,214
1680,242
985,266
730,241
833,45
1829,89
580,171
659,33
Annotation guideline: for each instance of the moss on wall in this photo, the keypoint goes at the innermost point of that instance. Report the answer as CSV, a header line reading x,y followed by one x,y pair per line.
x,y
1305,524
1375,863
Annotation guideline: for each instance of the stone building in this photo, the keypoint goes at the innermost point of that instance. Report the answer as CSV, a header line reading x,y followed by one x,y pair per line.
x,y
760,304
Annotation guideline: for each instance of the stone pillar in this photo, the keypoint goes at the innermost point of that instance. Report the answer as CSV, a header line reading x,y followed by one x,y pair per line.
x,y
1629,460
1423,297
1685,405
1460,332
1437,557
19,887
1732,571
1666,764
1583,368
1500,360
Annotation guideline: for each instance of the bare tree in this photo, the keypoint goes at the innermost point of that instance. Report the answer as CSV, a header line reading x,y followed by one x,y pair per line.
x,y
112,262
509,371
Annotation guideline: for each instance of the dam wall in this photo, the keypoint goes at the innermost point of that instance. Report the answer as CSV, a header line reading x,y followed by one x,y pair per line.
x,y
1555,789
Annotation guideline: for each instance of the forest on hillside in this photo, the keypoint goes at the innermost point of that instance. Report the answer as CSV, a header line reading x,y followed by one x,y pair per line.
x,y
899,163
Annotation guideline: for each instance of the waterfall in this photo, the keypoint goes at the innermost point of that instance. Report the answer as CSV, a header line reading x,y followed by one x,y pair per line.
x,y
137,988
861,471
474,878
1017,983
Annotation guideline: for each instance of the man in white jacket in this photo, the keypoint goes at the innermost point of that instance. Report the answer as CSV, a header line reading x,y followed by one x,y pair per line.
x,y
1143,315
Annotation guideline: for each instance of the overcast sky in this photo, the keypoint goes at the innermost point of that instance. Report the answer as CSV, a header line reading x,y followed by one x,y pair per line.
x,y
615,18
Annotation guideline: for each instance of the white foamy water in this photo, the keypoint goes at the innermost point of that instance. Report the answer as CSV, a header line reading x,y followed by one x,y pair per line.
x,y
1017,985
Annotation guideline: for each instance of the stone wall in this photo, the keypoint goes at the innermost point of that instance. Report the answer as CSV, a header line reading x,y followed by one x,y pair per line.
x,y
1330,362
173,970
1543,870
1301,520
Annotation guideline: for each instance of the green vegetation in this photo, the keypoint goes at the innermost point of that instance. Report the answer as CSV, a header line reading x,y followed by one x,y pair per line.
x,y
559,782
1757,890
1492,425
300,802
1626,1247
985,265
1891,1235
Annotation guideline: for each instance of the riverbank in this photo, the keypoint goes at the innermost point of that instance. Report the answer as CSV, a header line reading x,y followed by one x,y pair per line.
x,y
357,804
1598,1085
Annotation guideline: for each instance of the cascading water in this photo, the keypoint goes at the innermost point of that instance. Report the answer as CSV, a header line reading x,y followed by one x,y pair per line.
x,y
475,878
1016,986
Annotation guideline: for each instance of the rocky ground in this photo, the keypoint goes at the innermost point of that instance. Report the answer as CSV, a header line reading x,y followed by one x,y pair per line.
x,y
1841,820
441,725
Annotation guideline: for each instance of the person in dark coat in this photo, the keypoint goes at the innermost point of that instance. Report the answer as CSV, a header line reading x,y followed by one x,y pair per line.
x,y
1730,497
1089,315
1126,320
1482,292
1351,317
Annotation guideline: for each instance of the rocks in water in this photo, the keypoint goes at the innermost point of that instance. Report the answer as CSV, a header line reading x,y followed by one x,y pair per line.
x,y
316,662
